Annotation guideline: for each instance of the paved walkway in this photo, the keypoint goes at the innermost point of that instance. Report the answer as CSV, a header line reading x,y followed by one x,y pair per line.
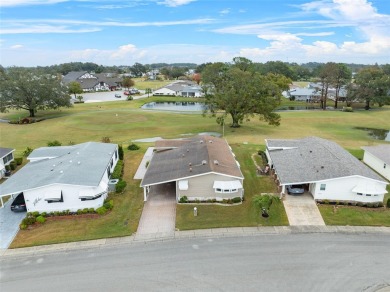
x,y
9,224
302,210
142,166
159,213
201,233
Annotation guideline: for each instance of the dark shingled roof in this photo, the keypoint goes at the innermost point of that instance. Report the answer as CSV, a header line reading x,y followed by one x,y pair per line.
x,y
314,159
186,160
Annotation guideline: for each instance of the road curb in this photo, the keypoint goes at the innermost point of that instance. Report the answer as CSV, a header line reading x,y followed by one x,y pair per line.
x,y
199,233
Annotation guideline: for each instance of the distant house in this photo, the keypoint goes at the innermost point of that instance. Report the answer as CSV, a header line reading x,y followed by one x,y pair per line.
x,y
6,156
378,158
64,178
180,88
325,169
303,94
93,82
200,168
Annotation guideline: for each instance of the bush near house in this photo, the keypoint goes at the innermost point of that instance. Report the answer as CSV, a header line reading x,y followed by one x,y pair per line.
x,y
118,170
388,203
120,186
133,147
12,165
19,160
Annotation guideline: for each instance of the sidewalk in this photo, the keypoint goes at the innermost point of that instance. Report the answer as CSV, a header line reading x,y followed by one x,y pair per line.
x,y
200,233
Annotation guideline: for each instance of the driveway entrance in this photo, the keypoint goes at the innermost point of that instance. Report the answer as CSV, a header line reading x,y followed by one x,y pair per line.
x,y
302,210
9,224
159,213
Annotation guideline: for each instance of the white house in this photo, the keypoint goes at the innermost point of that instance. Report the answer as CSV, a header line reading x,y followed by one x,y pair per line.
x,y
303,94
65,177
200,168
378,158
325,169
180,88
6,156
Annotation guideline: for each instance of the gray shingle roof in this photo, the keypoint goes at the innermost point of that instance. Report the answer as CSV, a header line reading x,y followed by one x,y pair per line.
x,y
381,151
73,76
314,159
65,169
5,151
186,160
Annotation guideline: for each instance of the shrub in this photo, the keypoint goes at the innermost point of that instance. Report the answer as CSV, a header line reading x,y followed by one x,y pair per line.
x,y
133,147
54,143
380,204
264,201
101,210
120,186
23,226
85,211
388,203
370,205
183,199
118,170
109,204
375,205
35,214
19,160
120,152
44,214
30,220
56,213
79,212
360,204
7,167
91,210
106,140
12,165
347,109
326,202
236,200
41,219
129,97
27,152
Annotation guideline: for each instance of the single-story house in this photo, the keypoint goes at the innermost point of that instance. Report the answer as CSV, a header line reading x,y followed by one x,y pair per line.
x,y
180,88
325,169
200,168
378,158
6,156
303,94
65,177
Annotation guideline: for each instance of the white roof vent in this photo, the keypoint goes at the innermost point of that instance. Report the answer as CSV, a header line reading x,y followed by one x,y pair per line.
x,y
201,141
216,162
61,171
210,141
204,162
78,162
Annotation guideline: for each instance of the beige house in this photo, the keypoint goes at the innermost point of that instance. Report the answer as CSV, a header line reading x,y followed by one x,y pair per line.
x,y
200,168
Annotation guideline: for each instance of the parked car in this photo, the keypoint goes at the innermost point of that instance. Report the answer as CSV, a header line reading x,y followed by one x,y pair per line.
x,y
295,190
126,93
19,204
118,95
134,91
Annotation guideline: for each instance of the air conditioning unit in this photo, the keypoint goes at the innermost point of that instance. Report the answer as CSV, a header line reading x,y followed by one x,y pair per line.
x,y
111,184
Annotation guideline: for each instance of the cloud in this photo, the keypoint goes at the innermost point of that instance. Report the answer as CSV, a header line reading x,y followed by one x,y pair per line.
x,y
11,3
224,11
32,26
175,3
16,46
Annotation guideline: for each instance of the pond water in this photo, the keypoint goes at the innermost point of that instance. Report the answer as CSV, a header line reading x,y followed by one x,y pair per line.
x,y
178,106
378,134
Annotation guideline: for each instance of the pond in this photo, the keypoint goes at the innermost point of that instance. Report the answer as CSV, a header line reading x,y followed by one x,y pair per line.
x,y
179,106
378,134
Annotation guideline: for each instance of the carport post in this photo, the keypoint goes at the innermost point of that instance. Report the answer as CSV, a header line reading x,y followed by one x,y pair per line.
x,y
2,203
144,194
283,191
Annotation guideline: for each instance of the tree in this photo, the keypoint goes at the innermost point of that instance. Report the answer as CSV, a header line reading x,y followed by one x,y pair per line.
x,y
373,85
127,82
326,73
138,69
22,89
340,76
241,94
75,88
148,91
197,78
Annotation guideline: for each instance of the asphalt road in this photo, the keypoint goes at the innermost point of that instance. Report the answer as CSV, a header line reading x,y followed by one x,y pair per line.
x,y
295,262
89,97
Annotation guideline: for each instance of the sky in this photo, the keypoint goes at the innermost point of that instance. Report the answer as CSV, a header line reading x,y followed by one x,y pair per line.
x,y
110,32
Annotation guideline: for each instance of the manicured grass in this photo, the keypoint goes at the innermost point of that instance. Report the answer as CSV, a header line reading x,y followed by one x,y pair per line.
x,y
356,216
140,83
246,214
121,221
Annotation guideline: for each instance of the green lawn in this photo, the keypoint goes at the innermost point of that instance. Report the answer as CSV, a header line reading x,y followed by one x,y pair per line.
x,y
246,214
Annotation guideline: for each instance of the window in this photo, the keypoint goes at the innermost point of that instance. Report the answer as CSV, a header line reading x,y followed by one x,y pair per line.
x,y
60,200
359,194
112,162
116,154
322,187
7,158
108,172
368,195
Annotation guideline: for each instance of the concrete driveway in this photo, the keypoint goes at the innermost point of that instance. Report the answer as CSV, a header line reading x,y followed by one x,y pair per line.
x,y
9,224
89,97
159,213
302,210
